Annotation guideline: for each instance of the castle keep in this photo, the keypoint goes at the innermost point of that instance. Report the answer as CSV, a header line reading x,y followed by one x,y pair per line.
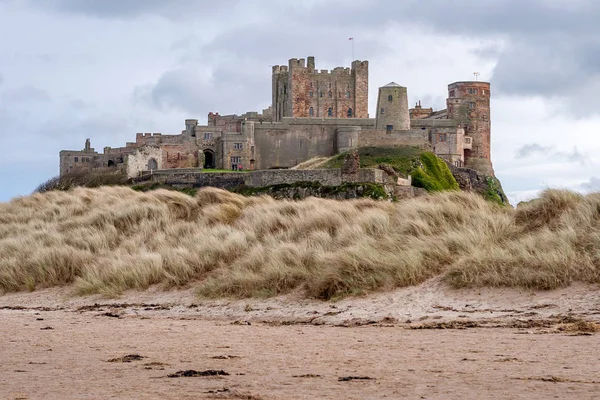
x,y
314,113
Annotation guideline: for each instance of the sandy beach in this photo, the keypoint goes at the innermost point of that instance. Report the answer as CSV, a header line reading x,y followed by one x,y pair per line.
x,y
423,342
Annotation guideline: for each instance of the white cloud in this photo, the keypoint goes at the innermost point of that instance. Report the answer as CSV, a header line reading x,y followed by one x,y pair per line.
x,y
107,69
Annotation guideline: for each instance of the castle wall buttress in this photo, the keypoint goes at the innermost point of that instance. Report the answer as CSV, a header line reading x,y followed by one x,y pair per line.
x,y
360,71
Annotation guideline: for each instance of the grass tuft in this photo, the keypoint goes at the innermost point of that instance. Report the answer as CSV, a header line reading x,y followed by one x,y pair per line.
x,y
111,239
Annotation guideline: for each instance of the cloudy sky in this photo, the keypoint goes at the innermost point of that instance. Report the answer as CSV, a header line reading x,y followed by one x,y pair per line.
x,y
73,69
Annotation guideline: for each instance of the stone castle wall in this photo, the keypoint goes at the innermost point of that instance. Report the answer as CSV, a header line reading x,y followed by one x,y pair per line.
x,y
194,177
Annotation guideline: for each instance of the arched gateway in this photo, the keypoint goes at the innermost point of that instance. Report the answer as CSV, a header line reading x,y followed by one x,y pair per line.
x,y
209,159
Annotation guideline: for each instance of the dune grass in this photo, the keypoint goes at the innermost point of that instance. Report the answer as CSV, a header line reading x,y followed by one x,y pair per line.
x,y
111,239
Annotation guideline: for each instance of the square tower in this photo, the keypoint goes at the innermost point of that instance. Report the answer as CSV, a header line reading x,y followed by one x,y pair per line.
x,y
300,90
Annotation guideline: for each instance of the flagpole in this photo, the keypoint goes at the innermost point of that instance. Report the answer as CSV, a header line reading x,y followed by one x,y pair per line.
x,y
352,40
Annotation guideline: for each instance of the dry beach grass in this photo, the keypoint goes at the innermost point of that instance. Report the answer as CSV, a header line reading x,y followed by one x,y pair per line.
x,y
110,239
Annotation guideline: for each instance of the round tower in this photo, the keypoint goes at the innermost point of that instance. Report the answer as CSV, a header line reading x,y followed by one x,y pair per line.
x,y
468,104
392,108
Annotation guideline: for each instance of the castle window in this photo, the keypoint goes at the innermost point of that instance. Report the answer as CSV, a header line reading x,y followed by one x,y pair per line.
x,y
442,137
472,91
348,94
349,113
389,128
238,146
311,85
329,85
207,135
236,159
390,98
310,94
330,112
471,105
382,110
311,112
321,93
452,93
284,89
330,94
76,159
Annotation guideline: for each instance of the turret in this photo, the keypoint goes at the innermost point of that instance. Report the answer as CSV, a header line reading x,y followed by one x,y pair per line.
x,y
392,108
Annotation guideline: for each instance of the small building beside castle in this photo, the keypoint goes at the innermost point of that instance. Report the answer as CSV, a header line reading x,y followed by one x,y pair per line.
x,y
314,113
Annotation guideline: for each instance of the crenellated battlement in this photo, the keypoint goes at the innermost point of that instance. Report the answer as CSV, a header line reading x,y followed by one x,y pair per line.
x,y
295,64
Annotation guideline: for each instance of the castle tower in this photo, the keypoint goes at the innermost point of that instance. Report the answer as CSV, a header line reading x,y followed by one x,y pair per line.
x,y
300,90
469,104
392,108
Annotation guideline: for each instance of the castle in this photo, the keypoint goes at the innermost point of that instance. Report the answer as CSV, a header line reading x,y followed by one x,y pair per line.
x,y
313,113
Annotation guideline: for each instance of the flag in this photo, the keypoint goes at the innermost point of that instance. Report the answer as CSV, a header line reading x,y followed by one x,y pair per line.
x,y
351,38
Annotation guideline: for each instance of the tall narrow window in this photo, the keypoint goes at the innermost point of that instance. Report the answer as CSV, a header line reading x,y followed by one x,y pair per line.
x,y
472,106
311,112
310,94
349,113
382,110
321,93
390,98
348,94
330,94
330,112
284,89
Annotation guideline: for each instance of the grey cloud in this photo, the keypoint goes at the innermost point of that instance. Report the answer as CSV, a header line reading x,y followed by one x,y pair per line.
x,y
533,149
124,9
573,156
187,89
553,48
530,149
489,52
26,94
592,185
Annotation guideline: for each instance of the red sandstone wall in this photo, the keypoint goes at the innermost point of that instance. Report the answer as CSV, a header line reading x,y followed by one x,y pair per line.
x,y
179,156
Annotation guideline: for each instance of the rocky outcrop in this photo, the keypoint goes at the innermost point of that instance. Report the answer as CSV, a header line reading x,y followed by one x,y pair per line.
x,y
488,186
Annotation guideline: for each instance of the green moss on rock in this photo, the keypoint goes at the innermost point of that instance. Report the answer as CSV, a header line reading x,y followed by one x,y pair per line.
x,y
434,174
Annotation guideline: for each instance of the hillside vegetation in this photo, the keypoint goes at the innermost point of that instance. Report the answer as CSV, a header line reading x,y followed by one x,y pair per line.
x,y
427,170
111,239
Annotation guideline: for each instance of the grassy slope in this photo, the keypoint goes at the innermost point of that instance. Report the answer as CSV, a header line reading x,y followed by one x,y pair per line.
x,y
403,159
428,171
110,239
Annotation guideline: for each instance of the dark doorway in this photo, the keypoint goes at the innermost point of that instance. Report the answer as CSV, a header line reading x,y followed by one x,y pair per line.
x,y
111,163
152,164
467,153
209,159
